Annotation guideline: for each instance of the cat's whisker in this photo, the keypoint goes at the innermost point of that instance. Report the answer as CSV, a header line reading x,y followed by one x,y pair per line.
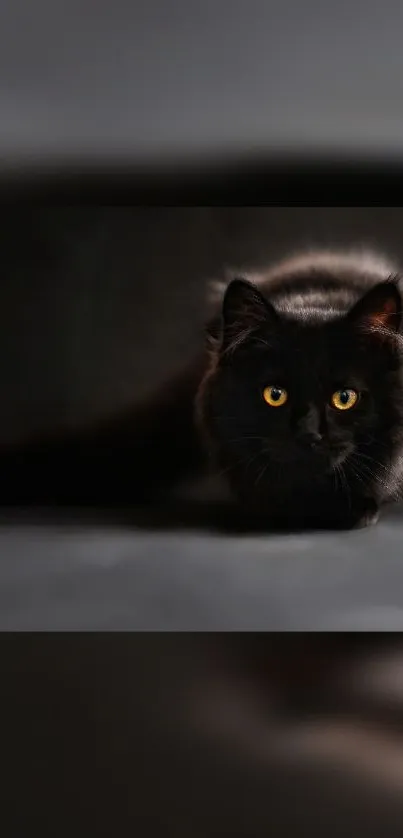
x,y
369,461
368,457
334,471
346,484
365,471
249,438
261,474
337,478
253,459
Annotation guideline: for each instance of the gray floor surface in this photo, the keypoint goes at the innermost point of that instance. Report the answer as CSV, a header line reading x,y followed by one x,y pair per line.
x,y
81,574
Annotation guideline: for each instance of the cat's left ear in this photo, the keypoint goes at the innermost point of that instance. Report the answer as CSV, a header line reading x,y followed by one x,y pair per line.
x,y
380,309
244,310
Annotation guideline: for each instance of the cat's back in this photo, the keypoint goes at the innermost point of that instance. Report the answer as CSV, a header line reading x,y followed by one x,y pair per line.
x,y
319,281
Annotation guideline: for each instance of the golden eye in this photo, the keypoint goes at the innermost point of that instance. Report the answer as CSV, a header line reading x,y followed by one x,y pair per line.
x,y
275,396
344,399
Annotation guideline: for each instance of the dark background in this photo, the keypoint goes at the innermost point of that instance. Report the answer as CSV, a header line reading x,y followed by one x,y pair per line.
x,y
98,304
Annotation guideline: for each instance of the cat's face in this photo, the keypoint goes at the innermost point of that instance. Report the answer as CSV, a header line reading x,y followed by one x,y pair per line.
x,y
302,397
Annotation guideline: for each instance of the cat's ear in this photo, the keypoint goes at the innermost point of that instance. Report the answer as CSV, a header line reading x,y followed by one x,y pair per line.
x,y
380,309
244,310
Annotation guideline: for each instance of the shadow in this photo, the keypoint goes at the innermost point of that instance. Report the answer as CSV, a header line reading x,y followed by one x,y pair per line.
x,y
214,517
171,516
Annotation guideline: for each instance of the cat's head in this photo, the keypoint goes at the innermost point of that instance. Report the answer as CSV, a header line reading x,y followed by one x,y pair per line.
x,y
302,391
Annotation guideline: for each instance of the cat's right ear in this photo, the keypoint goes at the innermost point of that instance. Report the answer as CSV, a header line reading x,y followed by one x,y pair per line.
x,y
244,311
380,309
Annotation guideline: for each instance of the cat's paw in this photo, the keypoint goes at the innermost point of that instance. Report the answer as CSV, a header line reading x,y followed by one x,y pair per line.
x,y
360,517
366,516
368,519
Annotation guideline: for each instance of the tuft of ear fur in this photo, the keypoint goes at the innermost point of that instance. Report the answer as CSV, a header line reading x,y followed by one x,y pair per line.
x,y
380,309
244,310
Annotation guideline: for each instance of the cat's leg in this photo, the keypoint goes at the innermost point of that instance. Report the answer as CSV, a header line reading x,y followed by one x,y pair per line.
x,y
359,515
368,518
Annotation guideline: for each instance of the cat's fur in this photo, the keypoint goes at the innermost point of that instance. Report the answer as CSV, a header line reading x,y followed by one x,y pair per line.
x,y
312,324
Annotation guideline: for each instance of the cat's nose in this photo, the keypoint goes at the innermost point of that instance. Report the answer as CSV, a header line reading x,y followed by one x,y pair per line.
x,y
310,439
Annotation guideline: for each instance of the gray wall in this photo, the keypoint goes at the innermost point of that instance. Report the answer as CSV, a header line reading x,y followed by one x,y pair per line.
x,y
178,77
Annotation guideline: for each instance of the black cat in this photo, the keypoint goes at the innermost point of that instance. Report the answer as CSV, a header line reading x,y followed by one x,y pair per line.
x,y
302,403
298,402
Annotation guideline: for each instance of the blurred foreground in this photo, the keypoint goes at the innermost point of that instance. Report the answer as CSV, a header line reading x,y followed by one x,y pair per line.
x,y
203,735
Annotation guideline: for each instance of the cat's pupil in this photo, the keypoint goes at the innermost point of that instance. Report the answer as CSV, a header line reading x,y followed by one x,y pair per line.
x,y
344,397
276,394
